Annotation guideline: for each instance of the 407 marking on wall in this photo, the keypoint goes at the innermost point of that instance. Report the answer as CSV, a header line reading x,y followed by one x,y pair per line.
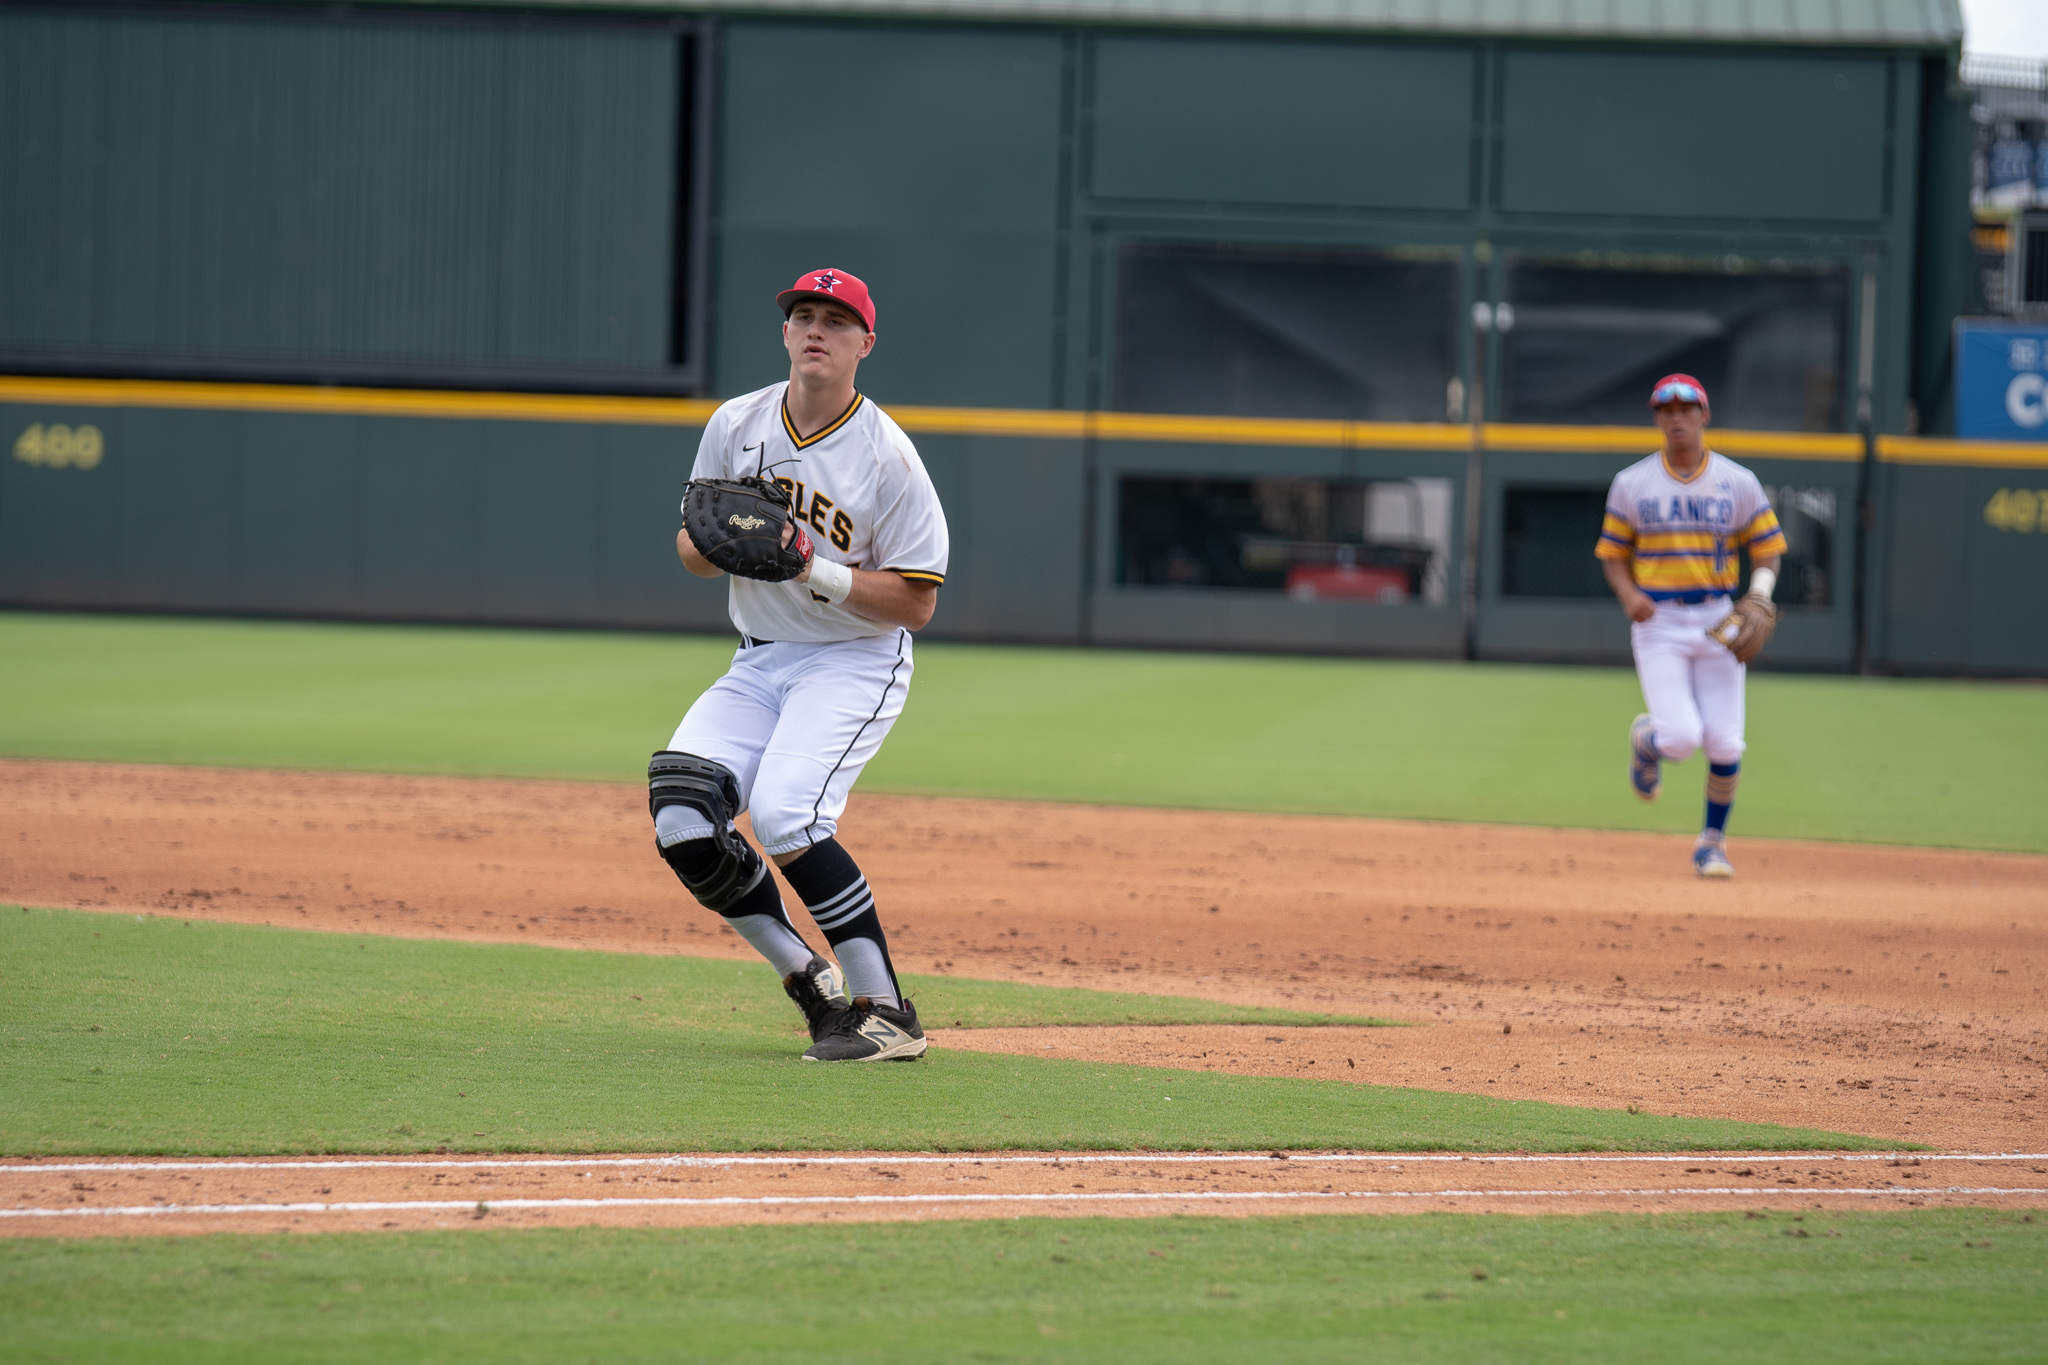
x,y
2018,509
57,446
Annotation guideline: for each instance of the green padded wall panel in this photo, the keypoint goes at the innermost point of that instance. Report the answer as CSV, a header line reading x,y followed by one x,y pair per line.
x,y
938,185
369,189
398,518
1009,501
1261,122
1964,593
1693,134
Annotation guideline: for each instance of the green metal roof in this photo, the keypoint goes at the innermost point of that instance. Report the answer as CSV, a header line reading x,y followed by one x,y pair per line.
x,y
1886,23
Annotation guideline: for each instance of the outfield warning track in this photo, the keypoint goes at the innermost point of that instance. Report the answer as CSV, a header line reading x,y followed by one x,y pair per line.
x,y
82,1197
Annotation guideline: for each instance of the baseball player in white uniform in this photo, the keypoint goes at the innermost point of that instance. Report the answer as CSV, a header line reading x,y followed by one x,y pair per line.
x,y
821,674
1669,547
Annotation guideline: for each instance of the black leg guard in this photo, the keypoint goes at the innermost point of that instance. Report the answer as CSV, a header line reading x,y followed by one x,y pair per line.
x,y
762,898
718,871
705,869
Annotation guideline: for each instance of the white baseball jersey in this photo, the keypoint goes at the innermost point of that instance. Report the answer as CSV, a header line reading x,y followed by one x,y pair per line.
x,y
857,484
1683,534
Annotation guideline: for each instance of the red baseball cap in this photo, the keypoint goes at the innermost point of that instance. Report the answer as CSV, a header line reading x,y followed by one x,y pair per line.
x,y
1679,388
836,285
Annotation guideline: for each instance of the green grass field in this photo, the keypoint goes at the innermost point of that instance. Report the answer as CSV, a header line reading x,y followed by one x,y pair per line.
x,y
1876,760
126,1035
123,1034
1812,1287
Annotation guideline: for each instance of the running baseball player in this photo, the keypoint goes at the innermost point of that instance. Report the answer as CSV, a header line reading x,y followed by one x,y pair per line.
x,y
1668,545
818,506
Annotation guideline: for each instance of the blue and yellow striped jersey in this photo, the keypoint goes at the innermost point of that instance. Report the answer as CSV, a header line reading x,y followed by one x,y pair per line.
x,y
1684,535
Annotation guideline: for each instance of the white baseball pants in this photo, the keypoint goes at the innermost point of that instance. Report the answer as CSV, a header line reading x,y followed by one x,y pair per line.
x,y
796,723
1692,685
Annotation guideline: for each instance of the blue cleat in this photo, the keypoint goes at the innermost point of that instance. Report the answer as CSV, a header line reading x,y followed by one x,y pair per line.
x,y
1645,766
1710,855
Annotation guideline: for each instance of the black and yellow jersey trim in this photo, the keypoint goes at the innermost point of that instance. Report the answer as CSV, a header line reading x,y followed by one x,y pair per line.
x,y
803,442
920,575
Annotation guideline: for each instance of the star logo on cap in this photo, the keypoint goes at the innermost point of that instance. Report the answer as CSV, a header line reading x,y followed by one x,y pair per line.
x,y
827,281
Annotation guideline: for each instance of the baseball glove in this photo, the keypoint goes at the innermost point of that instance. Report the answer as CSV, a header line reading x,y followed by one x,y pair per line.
x,y
1747,628
737,524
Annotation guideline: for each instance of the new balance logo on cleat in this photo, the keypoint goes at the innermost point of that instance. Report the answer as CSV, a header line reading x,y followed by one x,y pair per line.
x,y
869,1032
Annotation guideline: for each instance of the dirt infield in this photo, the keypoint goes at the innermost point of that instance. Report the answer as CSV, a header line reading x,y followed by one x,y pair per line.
x,y
1892,992
72,1198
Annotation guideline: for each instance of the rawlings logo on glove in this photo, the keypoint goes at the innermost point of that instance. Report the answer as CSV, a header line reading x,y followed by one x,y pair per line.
x,y
1747,628
759,510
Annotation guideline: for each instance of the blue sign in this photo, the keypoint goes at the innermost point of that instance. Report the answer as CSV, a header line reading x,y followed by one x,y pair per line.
x,y
2002,381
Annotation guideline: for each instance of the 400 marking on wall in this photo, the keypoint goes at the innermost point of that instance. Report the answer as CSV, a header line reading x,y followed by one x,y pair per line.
x,y
57,446
2018,509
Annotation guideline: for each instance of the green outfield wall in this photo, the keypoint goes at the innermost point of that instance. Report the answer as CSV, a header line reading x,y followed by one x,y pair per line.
x,y
1962,568
517,509
597,198
283,215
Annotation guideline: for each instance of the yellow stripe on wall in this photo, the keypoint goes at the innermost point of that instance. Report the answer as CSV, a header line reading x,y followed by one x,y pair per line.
x,y
1151,426
1280,431
1930,450
1641,441
1043,424
519,407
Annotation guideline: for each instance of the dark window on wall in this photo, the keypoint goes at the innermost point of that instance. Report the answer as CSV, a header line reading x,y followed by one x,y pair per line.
x,y
1386,540
2033,274
1547,539
1254,332
1590,339
690,233
1806,577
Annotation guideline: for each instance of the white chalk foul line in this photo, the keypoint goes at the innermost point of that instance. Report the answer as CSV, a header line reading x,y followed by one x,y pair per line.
x,y
870,1200
962,1158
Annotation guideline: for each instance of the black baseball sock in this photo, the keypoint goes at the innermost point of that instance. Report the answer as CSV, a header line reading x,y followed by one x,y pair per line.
x,y
832,888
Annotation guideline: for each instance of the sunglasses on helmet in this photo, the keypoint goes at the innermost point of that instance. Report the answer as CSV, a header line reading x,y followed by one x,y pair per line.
x,y
1677,393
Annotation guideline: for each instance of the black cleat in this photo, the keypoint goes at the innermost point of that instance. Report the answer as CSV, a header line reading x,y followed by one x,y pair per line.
x,y
820,992
869,1032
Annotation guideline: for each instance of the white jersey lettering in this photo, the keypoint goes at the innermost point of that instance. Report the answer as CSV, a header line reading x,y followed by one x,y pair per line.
x,y
860,488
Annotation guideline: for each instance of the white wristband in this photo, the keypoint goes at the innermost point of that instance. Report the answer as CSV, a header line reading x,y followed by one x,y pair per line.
x,y
829,580
1761,581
